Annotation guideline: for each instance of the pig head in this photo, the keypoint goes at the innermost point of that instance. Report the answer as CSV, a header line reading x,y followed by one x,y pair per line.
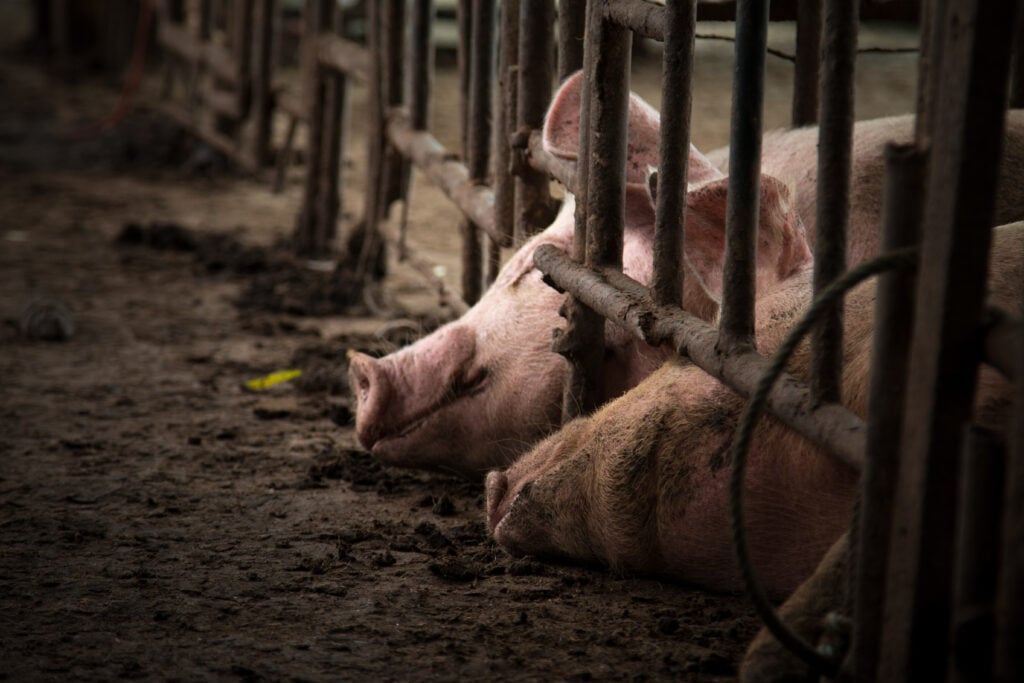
x,y
477,393
642,484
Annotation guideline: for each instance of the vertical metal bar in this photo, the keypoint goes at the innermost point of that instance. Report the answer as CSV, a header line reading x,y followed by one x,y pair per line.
x,y
736,329
609,116
534,208
928,68
833,208
472,252
894,309
505,116
582,325
311,235
977,555
676,104
262,71
572,16
806,69
478,135
419,75
969,118
1009,656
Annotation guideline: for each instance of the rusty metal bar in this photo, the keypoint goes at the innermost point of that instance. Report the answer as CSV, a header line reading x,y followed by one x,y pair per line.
x,y
572,16
505,116
894,306
643,18
1009,656
674,151
806,69
582,324
442,167
478,134
262,95
419,76
835,138
472,252
977,555
969,118
313,236
343,55
627,302
737,321
534,208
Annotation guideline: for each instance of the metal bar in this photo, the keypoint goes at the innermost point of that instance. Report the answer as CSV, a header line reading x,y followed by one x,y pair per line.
x,y
1009,657
627,302
643,18
262,95
676,104
572,16
533,206
609,115
451,176
344,56
894,307
977,555
478,133
737,320
312,237
969,118
806,69
582,324
505,116
835,138
419,75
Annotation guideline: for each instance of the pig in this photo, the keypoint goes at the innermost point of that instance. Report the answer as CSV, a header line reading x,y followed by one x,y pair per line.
x,y
791,157
641,486
479,391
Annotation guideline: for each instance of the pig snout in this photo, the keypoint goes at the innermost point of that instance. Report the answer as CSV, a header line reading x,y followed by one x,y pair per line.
x,y
409,390
373,392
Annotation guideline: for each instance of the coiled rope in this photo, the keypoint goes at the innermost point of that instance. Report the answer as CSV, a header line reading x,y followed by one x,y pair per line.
x,y
819,662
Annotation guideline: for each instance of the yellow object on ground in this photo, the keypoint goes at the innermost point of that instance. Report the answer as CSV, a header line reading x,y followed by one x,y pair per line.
x,y
273,378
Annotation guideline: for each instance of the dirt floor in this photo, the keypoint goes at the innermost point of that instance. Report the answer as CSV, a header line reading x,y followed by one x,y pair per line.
x,y
159,520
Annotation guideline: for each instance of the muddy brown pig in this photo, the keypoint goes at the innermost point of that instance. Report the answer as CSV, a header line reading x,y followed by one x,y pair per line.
x,y
479,391
642,484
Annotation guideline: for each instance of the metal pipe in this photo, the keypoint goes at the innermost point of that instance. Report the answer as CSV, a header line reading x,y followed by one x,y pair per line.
x,y
835,137
643,18
977,555
534,208
808,59
505,116
969,109
737,320
894,308
627,302
572,16
440,165
676,105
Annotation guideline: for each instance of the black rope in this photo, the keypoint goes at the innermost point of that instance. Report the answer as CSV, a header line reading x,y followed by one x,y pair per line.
x,y
900,259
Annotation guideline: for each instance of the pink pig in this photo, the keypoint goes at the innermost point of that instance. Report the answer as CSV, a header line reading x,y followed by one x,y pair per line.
x,y
642,484
478,392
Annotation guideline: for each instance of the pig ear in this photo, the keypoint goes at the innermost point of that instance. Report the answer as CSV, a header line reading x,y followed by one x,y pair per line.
x,y
562,129
781,239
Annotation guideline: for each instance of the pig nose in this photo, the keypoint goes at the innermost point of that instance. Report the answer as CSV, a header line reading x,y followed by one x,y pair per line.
x,y
496,487
372,389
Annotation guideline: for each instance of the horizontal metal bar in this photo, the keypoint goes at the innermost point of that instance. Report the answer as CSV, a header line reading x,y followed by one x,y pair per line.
x,y
222,143
343,55
562,170
440,165
643,18
627,302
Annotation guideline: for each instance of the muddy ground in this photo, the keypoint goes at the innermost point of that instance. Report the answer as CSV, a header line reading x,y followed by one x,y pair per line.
x,y
159,520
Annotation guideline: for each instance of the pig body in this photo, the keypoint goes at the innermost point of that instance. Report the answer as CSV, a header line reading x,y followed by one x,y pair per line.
x,y
642,484
791,156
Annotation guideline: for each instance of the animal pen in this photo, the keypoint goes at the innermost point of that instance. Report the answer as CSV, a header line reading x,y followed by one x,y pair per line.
x,y
932,577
